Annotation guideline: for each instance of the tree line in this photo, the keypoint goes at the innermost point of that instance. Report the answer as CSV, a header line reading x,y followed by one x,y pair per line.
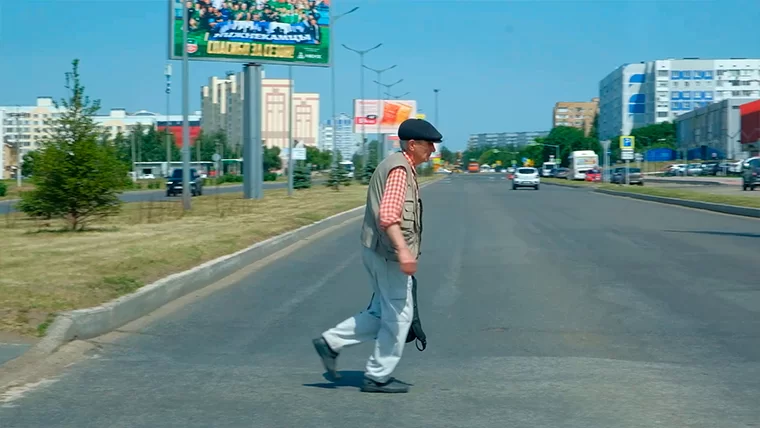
x,y
562,140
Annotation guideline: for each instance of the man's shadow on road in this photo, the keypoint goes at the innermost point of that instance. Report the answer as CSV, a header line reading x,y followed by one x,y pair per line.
x,y
350,378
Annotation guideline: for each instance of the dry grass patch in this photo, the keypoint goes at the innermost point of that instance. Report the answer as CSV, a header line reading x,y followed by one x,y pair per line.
x,y
692,195
45,270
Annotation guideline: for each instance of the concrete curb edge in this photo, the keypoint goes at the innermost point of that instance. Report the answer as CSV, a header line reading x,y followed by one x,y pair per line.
x,y
92,322
708,206
571,186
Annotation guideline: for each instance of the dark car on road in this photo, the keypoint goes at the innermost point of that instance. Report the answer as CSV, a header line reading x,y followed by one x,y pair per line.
x,y
174,183
751,173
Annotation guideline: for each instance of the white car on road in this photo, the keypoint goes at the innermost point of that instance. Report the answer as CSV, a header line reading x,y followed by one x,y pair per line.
x,y
526,177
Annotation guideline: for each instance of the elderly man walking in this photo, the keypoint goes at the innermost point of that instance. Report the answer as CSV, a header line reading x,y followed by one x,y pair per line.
x,y
391,236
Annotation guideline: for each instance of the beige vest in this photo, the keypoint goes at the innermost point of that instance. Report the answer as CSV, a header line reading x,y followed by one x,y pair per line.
x,y
375,238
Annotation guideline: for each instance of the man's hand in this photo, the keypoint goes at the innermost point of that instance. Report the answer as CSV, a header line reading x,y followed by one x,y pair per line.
x,y
407,261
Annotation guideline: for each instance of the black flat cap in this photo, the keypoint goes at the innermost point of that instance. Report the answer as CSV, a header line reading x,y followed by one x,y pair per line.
x,y
418,129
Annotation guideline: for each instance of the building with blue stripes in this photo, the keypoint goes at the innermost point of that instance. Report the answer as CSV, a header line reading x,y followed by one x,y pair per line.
x,y
646,93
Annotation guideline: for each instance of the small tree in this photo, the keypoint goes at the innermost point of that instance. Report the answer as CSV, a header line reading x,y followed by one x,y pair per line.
x,y
338,177
301,177
76,177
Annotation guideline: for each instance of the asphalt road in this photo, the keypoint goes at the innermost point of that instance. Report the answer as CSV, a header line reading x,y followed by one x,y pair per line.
x,y
7,207
550,308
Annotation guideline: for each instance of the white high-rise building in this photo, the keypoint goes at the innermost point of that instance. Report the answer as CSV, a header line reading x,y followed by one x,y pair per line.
x,y
343,135
636,95
325,137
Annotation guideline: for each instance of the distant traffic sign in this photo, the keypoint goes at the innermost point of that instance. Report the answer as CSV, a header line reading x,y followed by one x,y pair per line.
x,y
627,142
626,155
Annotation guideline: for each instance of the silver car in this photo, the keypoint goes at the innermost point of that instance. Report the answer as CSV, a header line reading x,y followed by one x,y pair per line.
x,y
526,177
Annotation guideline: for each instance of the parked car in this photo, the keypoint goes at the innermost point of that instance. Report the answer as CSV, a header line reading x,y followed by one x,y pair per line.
x,y
634,176
526,177
174,183
594,175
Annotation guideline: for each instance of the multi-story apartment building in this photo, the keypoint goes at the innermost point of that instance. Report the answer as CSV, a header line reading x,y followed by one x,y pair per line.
x,y
576,114
646,93
118,120
26,126
516,139
222,108
326,136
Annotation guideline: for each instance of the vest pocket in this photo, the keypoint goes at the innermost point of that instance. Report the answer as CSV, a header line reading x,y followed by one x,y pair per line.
x,y
409,211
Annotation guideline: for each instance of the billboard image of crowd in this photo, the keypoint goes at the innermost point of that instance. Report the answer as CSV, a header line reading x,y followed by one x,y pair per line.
x,y
295,32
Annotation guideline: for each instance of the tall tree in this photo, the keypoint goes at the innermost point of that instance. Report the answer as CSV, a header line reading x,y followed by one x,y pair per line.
x,y
78,178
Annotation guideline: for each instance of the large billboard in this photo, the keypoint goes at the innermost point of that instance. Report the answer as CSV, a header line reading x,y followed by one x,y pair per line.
x,y
390,114
750,126
175,127
286,32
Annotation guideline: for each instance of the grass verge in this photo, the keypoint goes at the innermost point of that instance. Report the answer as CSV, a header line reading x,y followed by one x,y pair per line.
x,y
691,195
741,201
46,270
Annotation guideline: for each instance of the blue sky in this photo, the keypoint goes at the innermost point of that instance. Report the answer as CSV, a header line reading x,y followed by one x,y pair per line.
x,y
501,65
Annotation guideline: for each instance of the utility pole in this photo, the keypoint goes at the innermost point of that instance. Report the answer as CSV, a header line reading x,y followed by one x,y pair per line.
x,y
332,82
380,110
361,98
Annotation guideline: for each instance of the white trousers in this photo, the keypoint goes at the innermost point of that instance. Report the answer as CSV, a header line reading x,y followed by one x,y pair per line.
x,y
386,320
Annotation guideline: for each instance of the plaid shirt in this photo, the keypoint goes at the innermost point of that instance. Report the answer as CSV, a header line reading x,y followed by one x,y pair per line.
x,y
392,203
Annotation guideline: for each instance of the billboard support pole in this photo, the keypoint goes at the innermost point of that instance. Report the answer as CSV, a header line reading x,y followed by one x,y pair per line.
x,y
185,112
290,131
253,162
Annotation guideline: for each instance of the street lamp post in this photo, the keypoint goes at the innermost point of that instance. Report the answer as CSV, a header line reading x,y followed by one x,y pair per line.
x,y
361,54
397,97
332,80
168,74
435,118
380,136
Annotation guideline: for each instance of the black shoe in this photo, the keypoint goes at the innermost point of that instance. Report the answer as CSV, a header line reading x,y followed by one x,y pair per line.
x,y
328,356
392,386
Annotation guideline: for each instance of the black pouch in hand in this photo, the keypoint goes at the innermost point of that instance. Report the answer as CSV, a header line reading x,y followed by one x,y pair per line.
x,y
415,330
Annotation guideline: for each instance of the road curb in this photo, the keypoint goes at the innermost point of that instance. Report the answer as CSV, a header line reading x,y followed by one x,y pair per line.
x,y
83,324
571,186
708,206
